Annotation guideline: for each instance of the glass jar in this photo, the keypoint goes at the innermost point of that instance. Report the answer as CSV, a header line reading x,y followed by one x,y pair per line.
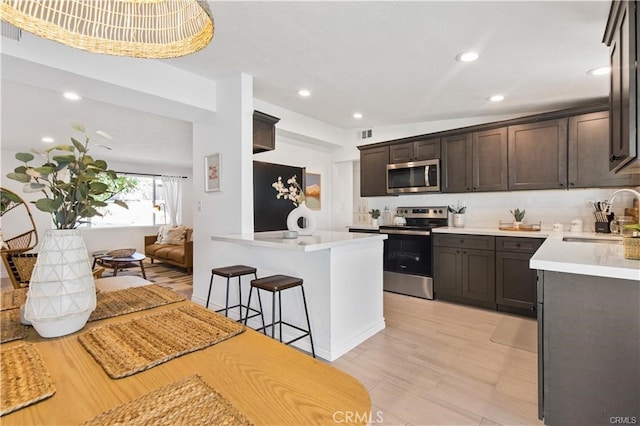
x,y
618,223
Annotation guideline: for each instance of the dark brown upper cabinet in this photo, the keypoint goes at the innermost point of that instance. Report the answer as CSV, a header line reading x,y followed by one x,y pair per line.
x,y
475,161
490,160
538,155
373,171
264,132
427,149
588,152
621,35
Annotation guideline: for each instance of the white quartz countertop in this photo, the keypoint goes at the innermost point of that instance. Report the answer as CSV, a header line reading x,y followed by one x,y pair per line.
x,y
585,258
320,240
470,230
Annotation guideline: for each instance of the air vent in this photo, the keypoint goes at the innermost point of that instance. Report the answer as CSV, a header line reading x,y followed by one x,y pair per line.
x,y
11,31
365,134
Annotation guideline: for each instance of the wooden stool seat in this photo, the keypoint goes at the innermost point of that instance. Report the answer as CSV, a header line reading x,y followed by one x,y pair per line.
x,y
234,271
275,284
229,272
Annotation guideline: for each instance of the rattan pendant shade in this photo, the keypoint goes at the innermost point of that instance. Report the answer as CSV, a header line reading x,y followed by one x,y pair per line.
x,y
137,28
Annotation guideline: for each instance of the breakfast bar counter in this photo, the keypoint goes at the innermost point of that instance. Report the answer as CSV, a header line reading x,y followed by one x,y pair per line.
x,y
342,275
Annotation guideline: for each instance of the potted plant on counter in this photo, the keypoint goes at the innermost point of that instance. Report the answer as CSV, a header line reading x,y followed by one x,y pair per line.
x,y
518,215
61,291
375,214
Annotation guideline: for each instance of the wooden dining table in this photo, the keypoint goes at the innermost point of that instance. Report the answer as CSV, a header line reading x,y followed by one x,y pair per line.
x,y
270,383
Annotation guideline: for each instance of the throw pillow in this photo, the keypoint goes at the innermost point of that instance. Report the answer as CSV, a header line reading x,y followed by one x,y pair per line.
x,y
160,234
173,235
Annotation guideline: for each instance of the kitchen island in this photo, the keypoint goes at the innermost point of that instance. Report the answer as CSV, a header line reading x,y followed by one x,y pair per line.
x,y
588,330
342,275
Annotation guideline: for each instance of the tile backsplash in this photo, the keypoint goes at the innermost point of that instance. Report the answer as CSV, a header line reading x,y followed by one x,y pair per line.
x,y
486,209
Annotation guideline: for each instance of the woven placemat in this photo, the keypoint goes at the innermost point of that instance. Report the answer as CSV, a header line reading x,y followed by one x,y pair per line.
x,y
134,299
189,401
24,378
12,299
10,326
125,348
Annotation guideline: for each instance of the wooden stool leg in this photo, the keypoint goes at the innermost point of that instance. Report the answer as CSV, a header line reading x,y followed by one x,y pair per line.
x,y
273,315
240,297
210,286
279,312
226,304
306,313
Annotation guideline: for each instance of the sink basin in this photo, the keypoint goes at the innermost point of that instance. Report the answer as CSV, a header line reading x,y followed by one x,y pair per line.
x,y
592,240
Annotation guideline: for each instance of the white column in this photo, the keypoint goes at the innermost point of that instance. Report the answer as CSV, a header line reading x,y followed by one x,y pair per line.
x,y
230,210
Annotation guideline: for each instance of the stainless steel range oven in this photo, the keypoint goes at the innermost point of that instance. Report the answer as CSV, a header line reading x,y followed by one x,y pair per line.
x,y
407,251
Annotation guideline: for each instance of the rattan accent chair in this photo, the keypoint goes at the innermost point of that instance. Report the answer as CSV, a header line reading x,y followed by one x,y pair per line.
x,y
19,266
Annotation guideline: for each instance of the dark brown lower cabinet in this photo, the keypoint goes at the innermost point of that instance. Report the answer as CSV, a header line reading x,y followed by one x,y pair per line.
x,y
487,271
515,282
463,273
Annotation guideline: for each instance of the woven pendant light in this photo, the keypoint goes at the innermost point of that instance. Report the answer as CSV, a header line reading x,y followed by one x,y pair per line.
x,y
138,28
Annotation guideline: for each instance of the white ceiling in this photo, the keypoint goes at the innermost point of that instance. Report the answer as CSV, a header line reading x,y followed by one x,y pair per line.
x,y
391,61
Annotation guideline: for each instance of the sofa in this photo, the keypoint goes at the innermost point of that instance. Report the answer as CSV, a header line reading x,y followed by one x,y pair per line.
x,y
173,245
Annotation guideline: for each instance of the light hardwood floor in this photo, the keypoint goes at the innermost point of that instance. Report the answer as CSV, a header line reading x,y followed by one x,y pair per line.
x,y
435,364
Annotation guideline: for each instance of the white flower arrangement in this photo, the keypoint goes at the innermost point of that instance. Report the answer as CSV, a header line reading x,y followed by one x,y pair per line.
x,y
292,192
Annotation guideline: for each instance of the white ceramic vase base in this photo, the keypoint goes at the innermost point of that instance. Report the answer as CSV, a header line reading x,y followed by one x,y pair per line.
x,y
302,211
61,292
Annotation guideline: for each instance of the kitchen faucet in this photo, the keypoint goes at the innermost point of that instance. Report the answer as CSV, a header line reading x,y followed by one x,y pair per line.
x,y
632,191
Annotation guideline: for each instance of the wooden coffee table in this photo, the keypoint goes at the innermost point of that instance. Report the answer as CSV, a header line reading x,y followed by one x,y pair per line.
x,y
117,263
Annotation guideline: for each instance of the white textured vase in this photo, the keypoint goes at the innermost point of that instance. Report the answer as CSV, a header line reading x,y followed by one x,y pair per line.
x,y
62,292
302,211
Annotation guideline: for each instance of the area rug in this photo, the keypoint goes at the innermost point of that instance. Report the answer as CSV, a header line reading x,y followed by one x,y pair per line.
x,y
123,349
134,299
14,298
10,326
521,333
190,401
24,378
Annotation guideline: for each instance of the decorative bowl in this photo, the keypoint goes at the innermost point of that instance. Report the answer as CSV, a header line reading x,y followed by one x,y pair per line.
x,y
126,252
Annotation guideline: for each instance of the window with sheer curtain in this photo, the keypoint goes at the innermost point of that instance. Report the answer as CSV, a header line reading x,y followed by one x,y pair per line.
x,y
146,201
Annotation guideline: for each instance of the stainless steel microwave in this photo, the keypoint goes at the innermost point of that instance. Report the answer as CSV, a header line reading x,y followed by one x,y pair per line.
x,y
416,176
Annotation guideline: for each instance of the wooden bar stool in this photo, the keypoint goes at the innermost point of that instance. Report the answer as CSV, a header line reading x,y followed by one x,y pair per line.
x,y
231,272
276,284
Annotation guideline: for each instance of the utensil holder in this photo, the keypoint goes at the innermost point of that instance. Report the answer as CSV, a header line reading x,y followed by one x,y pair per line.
x,y
603,227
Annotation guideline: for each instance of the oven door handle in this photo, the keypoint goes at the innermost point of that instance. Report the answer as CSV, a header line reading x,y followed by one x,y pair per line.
x,y
405,232
427,180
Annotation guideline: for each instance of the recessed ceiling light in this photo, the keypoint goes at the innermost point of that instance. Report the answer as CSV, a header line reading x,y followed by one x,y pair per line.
x,y
496,98
47,139
71,96
304,93
357,115
467,57
599,71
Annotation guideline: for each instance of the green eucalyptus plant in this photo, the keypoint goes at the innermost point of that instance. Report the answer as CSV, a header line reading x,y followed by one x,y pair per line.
x,y
73,182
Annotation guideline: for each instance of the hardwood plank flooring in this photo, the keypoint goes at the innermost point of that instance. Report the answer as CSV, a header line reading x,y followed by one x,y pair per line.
x,y
434,364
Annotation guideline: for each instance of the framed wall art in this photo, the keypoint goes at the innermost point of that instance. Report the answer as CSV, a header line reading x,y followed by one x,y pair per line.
x,y
313,190
212,173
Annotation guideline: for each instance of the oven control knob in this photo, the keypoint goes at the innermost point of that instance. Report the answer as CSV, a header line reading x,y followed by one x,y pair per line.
x,y
440,211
